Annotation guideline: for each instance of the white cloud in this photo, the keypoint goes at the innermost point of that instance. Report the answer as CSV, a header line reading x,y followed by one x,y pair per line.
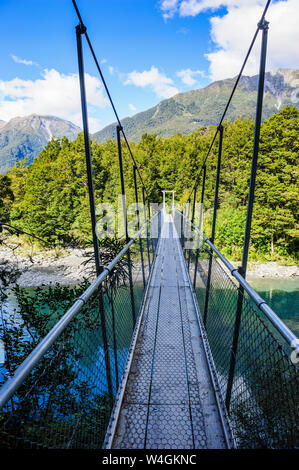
x,y
111,70
103,61
132,107
18,60
232,37
54,94
157,81
194,7
187,76
232,32
169,8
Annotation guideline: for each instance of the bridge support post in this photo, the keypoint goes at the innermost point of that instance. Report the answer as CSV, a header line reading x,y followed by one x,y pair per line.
x,y
148,208
220,128
159,224
264,26
173,204
194,203
80,29
150,235
138,218
189,207
200,220
145,221
183,227
122,181
186,228
192,220
217,182
144,205
188,216
202,195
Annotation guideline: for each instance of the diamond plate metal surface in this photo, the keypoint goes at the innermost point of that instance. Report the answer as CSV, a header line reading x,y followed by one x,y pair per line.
x,y
162,407
169,382
139,380
132,427
169,427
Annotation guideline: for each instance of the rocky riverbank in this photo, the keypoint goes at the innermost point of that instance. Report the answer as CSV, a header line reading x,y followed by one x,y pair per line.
x,y
67,266
42,268
272,270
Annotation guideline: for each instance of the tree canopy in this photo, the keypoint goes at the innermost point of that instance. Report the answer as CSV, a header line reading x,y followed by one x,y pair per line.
x,y
51,195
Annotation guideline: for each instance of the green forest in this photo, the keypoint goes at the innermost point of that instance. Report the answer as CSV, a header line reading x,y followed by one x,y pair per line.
x,y
49,198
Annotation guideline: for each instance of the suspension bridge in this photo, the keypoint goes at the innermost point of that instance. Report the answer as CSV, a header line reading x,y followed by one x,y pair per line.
x,y
169,347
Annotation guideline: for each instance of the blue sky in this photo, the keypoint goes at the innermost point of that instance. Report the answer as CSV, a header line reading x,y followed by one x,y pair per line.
x,y
150,50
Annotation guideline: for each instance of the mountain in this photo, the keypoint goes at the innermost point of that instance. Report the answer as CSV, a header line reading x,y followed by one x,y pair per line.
x,y
183,113
27,136
186,112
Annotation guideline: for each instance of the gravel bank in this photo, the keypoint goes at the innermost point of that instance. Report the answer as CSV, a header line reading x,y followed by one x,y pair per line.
x,y
48,267
272,270
67,267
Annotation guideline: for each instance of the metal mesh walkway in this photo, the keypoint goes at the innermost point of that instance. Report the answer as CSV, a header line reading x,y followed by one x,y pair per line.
x,y
169,400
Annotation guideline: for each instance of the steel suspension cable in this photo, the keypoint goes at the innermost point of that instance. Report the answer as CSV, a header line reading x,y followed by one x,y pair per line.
x,y
107,90
232,92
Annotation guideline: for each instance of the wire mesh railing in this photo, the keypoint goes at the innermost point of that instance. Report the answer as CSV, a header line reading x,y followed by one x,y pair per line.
x,y
62,394
250,346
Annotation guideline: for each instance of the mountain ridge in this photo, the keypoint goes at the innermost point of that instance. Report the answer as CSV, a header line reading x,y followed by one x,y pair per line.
x,y
185,112
22,137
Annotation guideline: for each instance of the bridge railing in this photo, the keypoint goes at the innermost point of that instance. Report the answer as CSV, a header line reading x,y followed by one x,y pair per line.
x,y
251,348
62,394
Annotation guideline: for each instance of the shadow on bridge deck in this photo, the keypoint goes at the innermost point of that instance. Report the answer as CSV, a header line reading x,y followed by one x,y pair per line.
x,y
169,400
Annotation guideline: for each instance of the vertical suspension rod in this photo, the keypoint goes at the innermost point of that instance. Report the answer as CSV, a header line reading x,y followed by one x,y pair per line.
x,y
122,181
213,223
105,85
138,220
79,31
118,130
264,26
200,220
235,85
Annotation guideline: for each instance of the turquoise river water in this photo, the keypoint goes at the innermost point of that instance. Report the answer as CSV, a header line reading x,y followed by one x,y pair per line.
x,y
282,295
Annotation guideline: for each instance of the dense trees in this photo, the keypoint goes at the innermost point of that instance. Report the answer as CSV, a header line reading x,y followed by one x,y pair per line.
x,y
6,197
52,198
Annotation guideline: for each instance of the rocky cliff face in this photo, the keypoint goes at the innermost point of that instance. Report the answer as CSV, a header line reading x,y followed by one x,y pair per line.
x,y
26,137
186,112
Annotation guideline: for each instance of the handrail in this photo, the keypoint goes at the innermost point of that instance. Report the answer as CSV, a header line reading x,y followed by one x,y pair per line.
x,y
287,334
24,369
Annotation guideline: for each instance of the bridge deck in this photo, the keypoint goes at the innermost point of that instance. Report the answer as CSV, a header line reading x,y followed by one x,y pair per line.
x,y
169,400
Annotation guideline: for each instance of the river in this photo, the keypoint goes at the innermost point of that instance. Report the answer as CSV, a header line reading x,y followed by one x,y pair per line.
x,y
282,295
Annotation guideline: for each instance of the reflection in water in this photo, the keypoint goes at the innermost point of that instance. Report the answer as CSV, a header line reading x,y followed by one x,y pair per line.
x,y
123,323
282,295
2,352
11,315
